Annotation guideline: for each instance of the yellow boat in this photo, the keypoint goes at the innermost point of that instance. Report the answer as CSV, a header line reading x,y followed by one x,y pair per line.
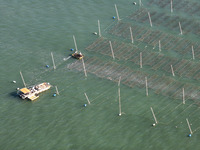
x,y
32,93
77,55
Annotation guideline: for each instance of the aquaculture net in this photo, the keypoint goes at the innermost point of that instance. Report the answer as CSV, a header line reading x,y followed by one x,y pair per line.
x,y
155,53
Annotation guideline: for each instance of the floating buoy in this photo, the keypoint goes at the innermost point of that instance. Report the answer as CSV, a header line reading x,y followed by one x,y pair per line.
x,y
153,124
47,66
54,94
85,105
134,3
95,33
120,114
190,135
18,88
113,17
14,81
72,49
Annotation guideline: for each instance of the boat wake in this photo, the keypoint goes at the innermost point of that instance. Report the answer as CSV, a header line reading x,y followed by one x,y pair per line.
x,y
65,59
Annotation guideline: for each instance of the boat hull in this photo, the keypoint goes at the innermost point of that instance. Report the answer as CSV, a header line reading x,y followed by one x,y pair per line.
x,y
77,56
32,93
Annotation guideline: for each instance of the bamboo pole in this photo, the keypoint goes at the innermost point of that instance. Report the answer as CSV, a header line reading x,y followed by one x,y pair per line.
x,y
180,28
99,28
22,79
117,12
159,44
147,92
131,35
112,50
183,96
57,90
140,59
120,110
172,71
171,6
75,43
193,52
84,68
154,116
189,126
140,2
54,66
150,19
119,81
87,98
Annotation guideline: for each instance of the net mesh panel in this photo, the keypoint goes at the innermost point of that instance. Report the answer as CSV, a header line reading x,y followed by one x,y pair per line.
x,y
164,85
185,6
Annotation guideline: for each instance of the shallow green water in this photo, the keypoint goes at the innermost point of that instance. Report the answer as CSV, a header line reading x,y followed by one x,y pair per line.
x,y
29,31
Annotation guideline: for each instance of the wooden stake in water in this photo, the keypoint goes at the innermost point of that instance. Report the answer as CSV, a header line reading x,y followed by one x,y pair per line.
x,y
57,90
22,79
180,28
140,2
172,71
189,126
183,96
120,110
159,46
87,98
171,6
193,52
99,28
111,50
119,81
54,66
75,43
150,19
154,116
131,35
140,59
84,68
117,12
147,93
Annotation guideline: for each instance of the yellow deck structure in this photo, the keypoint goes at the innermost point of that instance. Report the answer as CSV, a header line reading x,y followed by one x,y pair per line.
x,y
25,90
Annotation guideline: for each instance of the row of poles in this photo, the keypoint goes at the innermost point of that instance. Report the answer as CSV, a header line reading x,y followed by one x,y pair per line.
x,y
146,83
131,32
171,4
154,116
132,41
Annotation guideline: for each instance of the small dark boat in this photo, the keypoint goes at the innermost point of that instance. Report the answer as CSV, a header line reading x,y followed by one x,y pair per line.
x,y
77,55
